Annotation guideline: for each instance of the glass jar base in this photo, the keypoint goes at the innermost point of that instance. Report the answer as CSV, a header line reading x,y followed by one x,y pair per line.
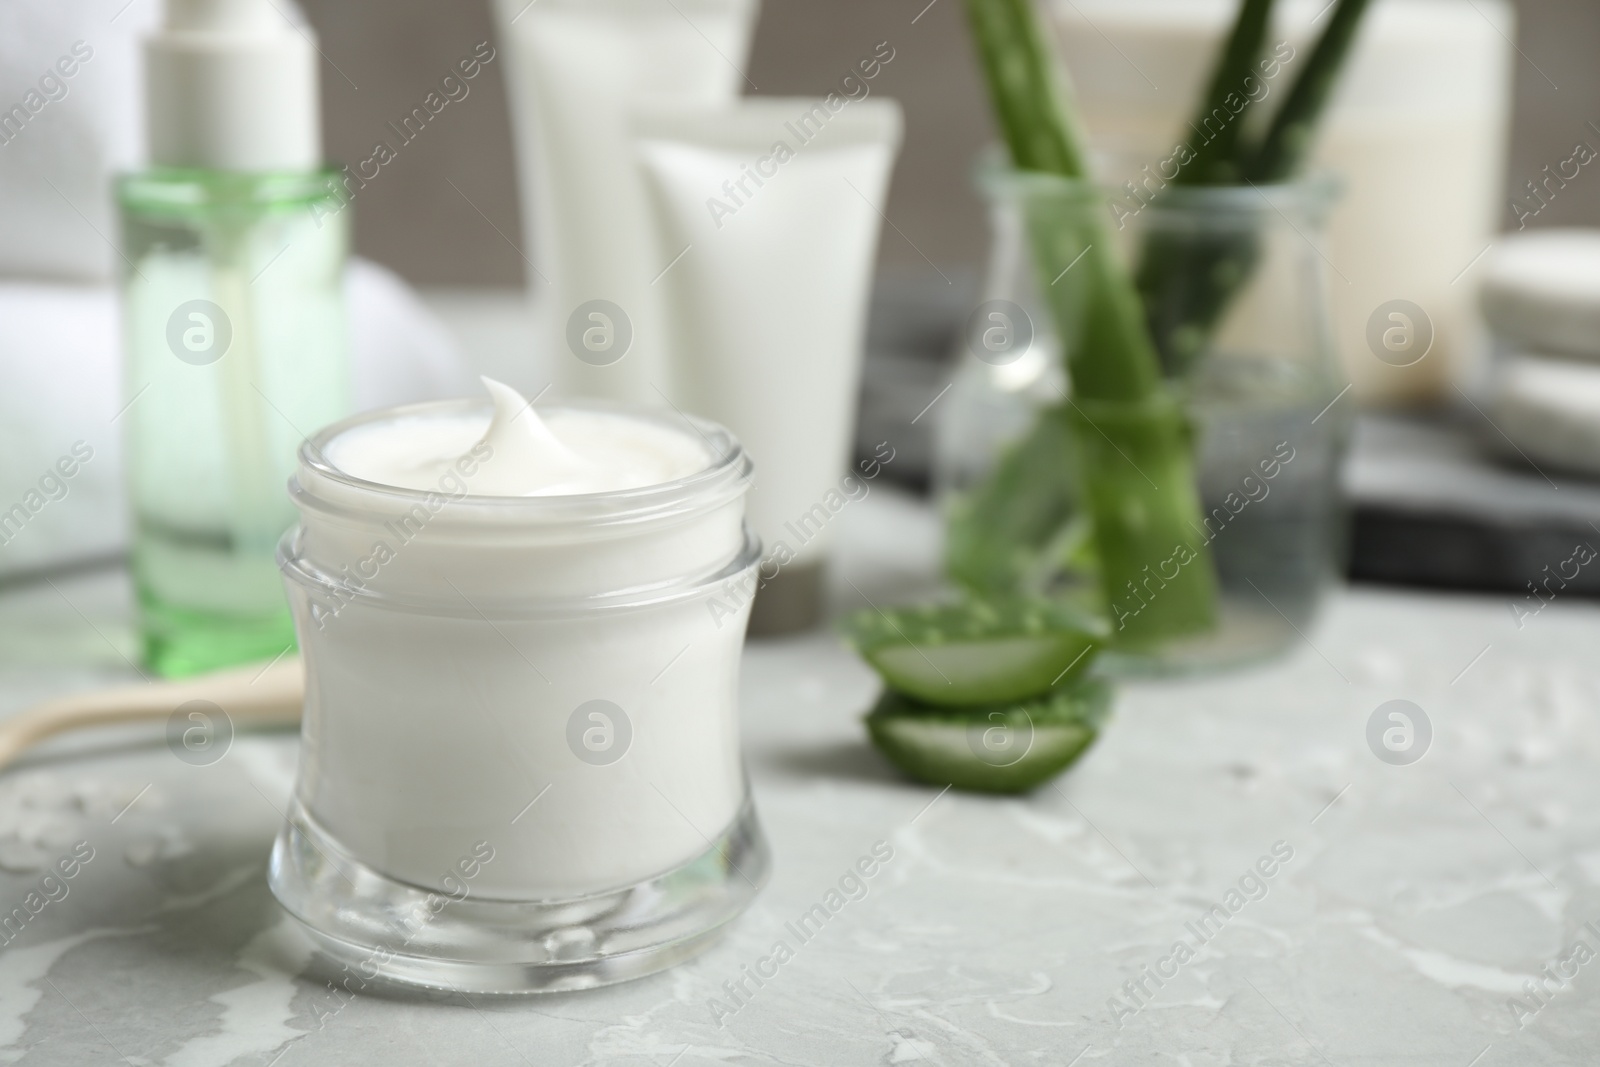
x,y
380,931
1246,633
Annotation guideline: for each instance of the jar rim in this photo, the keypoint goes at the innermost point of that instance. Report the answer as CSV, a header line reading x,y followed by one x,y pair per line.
x,y
319,484
1311,194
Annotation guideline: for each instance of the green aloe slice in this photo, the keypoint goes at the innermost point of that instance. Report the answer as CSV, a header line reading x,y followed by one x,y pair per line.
x,y
1005,747
976,652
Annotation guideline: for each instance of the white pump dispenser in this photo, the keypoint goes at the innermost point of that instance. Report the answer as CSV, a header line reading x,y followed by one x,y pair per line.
x,y
231,85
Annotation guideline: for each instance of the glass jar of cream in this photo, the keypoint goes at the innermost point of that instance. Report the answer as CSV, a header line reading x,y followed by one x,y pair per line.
x,y
520,765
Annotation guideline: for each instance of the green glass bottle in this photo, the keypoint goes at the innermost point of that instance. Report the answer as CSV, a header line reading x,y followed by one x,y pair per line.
x,y
233,251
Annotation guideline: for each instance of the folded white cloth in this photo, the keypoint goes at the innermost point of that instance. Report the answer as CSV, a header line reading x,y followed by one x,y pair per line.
x,y
1548,409
1541,291
71,116
61,365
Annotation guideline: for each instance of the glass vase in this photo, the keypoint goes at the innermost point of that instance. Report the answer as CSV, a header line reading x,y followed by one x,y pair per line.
x,y
1232,282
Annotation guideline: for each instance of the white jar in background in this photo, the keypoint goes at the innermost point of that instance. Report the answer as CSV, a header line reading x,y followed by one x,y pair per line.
x,y
514,648
1417,131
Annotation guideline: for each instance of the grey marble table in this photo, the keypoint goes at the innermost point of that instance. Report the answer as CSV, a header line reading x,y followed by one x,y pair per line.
x,y
1409,916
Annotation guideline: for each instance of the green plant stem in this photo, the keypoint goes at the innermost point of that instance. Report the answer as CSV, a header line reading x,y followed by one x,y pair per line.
x,y
1111,361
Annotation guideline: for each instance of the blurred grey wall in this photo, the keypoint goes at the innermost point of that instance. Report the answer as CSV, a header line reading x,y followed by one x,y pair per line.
x,y
445,211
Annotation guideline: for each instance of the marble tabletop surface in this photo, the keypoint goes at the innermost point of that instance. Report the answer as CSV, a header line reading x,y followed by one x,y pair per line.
x,y
1232,876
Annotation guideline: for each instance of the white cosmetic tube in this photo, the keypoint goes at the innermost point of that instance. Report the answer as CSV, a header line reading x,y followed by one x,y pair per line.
x,y
577,67
775,206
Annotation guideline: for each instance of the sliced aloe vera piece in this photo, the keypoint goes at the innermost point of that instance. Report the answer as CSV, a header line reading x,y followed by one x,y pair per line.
x,y
974,651
1005,747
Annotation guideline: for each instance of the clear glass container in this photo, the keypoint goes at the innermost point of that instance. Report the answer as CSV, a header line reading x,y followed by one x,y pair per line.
x,y
236,347
1233,281
548,682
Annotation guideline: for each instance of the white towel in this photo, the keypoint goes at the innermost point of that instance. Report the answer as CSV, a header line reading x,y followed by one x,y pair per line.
x,y
60,387
71,116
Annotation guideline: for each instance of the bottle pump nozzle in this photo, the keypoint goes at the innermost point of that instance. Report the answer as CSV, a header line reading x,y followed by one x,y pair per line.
x,y
232,85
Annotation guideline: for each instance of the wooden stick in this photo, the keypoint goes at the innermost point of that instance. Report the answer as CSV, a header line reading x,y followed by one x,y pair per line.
x,y
251,697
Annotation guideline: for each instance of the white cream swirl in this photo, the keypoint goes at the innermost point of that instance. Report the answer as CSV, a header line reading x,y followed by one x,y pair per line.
x,y
519,452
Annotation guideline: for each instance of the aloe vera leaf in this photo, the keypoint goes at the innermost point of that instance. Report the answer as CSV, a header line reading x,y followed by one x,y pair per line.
x,y
1111,359
977,651
1217,126
1005,747
1025,87
1188,280
1293,130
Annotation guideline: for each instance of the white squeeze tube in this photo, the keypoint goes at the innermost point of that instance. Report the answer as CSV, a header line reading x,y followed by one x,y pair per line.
x,y
779,202
577,68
